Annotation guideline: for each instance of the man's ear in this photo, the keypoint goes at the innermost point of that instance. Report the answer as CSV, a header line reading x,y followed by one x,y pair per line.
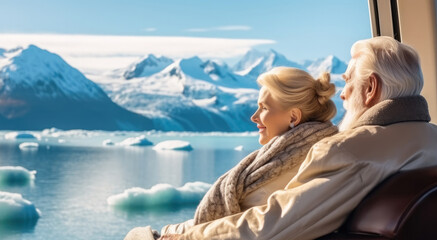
x,y
296,116
373,91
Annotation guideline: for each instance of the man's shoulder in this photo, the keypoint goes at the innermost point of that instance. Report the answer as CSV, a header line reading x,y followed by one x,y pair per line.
x,y
344,138
370,141
370,133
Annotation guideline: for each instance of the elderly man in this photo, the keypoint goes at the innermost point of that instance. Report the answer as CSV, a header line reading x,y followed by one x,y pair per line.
x,y
385,130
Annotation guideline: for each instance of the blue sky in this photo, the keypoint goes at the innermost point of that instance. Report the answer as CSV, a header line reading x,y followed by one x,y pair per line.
x,y
301,29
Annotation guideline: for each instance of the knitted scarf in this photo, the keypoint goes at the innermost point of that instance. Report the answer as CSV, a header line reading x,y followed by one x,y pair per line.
x,y
280,154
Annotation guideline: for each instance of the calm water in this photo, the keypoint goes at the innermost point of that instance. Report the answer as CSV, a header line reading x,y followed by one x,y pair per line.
x,y
75,176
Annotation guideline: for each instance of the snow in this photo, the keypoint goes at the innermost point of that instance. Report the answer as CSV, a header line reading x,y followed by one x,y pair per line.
x,y
97,54
179,94
173,145
30,66
21,135
160,195
15,209
190,87
136,141
147,66
254,63
16,175
60,95
329,64
28,146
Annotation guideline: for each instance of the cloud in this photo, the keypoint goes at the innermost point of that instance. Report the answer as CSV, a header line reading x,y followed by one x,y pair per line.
x,y
151,29
221,28
94,54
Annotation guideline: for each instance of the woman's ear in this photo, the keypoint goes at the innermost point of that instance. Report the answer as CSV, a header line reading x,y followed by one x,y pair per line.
x,y
373,91
296,116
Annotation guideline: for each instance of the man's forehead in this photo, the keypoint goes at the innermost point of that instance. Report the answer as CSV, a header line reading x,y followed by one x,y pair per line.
x,y
350,68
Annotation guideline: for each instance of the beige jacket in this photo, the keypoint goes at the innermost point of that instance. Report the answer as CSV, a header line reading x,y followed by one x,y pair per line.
x,y
337,174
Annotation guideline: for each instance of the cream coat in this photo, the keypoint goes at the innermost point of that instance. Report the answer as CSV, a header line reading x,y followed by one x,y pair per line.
x,y
337,174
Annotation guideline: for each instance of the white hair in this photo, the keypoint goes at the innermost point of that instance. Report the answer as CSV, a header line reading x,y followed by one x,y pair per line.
x,y
396,64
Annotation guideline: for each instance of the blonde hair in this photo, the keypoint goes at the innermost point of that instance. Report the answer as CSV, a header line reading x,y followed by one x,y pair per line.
x,y
295,88
395,63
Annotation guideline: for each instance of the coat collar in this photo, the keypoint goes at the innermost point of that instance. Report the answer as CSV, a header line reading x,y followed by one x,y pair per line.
x,y
390,111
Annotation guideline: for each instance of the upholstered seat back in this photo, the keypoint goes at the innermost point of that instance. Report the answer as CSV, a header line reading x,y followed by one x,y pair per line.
x,y
404,206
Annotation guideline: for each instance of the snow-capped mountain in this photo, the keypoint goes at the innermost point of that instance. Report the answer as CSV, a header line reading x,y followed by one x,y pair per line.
x,y
190,95
254,63
38,90
195,95
147,66
329,64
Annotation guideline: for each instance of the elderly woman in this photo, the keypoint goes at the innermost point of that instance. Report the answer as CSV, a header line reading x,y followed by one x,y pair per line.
x,y
294,112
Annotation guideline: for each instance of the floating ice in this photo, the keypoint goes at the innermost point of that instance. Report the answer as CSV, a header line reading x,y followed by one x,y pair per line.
x,y
160,195
28,146
21,135
50,131
136,141
107,142
14,208
239,148
16,175
173,145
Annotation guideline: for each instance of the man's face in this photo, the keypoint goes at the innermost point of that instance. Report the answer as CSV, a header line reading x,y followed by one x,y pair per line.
x,y
353,98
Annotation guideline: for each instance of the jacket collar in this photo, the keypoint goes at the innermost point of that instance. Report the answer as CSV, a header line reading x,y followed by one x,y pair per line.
x,y
390,111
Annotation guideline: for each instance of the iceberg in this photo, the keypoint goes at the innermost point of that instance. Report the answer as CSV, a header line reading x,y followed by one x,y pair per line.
x,y
136,141
50,131
20,135
159,196
15,209
16,175
107,142
173,145
28,146
239,148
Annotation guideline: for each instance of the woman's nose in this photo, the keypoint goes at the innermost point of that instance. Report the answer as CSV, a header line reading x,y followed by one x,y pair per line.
x,y
254,117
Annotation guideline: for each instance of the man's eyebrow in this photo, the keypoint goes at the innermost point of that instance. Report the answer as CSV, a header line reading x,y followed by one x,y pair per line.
x,y
345,77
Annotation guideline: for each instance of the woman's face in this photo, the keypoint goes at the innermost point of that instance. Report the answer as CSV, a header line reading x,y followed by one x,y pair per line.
x,y
270,118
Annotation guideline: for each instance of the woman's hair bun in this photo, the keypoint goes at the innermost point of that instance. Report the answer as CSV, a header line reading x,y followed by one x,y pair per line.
x,y
324,88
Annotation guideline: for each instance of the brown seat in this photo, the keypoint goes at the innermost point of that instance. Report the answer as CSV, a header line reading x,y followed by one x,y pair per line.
x,y
404,206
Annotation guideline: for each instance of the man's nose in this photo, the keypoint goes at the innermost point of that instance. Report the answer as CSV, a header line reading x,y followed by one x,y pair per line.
x,y
342,96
